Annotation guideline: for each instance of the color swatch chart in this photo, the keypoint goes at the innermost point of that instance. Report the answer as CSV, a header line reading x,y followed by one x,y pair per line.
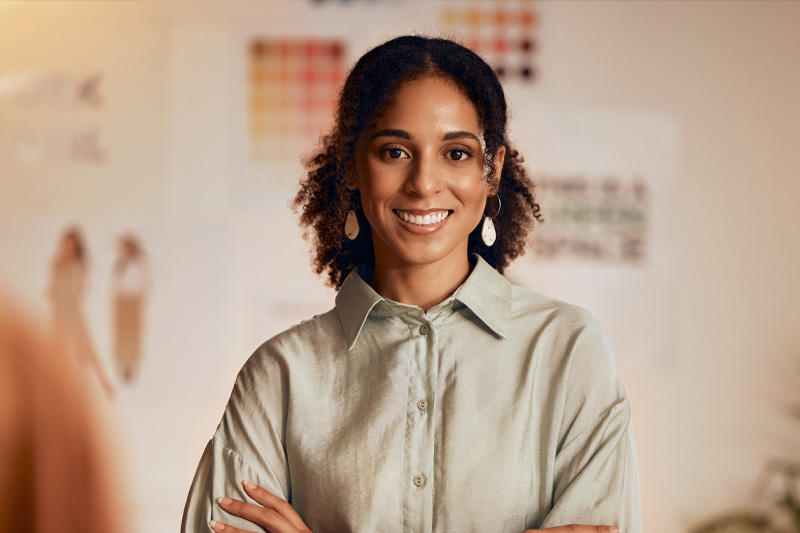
x,y
292,87
605,220
502,32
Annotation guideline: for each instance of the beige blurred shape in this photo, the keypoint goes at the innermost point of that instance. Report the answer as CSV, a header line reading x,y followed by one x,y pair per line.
x,y
131,279
67,292
56,473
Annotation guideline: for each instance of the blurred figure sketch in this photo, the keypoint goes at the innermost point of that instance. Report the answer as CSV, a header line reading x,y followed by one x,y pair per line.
x,y
131,279
67,291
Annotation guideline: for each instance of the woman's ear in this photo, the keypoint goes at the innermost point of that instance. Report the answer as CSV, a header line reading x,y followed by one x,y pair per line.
x,y
498,160
351,182
351,178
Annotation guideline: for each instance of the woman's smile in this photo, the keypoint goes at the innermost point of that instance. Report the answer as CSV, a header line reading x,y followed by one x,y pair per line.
x,y
422,221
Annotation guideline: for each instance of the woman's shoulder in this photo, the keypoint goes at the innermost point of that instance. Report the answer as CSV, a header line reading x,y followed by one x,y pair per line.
x,y
299,341
572,344
530,304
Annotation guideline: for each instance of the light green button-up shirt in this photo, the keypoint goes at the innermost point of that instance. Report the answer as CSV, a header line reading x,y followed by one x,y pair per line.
x,y
499,409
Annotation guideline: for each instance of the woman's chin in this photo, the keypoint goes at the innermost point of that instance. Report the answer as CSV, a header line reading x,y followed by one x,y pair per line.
x,y
422,254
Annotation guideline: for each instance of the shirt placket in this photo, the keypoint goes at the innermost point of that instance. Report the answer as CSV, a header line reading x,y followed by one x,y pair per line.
x,y
419,436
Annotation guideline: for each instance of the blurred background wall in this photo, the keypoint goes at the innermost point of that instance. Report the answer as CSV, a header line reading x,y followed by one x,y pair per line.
x,y
156,120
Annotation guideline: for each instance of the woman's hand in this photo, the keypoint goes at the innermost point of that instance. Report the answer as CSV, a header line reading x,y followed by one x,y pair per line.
x,y
575,528
276,515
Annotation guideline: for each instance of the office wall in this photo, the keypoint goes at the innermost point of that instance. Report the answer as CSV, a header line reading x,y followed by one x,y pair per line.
x,y
156,143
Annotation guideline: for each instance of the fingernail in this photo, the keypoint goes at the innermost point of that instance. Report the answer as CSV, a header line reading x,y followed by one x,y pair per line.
x,y
216,526
224,501
613,529
249,485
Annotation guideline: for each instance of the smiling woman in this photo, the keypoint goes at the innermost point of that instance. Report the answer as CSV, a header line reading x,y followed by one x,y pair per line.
x,y
422,188
435,396
370,91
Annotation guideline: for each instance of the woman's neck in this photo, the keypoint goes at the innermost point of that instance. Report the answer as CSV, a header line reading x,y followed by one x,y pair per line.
x,y
420,285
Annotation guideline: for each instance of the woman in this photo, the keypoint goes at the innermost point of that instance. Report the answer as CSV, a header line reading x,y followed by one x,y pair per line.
x,y
435,396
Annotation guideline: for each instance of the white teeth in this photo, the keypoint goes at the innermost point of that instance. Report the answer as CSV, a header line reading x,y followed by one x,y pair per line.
x,y
420,220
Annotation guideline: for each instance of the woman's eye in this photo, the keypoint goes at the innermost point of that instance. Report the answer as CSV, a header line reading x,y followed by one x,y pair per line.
x,y
459,155
395,153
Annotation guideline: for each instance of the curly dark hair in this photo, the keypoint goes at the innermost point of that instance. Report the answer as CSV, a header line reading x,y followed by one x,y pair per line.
x,y
323,200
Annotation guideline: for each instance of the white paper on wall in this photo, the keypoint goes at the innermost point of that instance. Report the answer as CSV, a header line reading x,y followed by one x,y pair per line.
x,y
605,182
82,122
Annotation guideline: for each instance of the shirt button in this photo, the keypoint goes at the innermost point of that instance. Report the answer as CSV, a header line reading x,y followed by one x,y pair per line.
x,y
424,329
422,405
419,481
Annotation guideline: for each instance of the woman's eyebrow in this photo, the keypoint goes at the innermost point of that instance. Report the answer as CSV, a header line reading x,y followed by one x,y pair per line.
x,y
459,135
402,134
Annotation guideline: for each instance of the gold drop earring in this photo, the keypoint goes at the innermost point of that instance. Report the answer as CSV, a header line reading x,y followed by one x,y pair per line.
x,y
488,231
351,226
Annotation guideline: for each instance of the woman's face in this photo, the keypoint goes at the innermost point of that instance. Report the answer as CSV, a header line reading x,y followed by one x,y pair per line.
x,y
420,176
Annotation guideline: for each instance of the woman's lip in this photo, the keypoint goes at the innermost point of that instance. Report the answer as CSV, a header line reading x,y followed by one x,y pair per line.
x,y
422,230
422,212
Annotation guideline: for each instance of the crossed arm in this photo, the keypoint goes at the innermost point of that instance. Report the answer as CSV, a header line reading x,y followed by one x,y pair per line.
x,y
278,516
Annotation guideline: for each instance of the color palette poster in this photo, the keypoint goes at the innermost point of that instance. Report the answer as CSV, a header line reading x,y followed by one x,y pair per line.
x,y
503,33
603,220
292,88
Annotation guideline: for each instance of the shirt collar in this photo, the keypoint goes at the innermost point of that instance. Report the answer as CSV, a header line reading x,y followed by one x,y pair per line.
x,y
486,293
354,301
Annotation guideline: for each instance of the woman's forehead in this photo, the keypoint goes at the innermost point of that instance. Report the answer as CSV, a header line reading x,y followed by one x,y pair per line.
x,y
429,102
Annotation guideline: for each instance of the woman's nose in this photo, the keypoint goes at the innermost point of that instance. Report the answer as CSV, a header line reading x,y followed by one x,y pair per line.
x,y
424,178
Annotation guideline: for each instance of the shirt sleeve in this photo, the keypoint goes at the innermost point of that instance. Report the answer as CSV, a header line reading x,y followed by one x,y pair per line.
x,y
596,479
248,445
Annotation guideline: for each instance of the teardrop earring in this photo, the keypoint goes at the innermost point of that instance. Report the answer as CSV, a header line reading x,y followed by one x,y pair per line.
x,y
351,226
488,231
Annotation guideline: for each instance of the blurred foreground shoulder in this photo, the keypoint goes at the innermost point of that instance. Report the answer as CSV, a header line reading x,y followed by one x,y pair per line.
x,y
56,464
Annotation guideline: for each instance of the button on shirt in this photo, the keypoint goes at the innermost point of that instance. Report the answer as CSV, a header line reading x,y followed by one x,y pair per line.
x,y
499,409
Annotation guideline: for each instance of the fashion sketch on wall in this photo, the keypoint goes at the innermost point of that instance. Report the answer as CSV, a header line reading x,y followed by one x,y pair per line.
x,y
130,283
67,291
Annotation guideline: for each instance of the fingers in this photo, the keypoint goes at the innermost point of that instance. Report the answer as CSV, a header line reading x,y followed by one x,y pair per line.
x,y
263,516
219,526
275,514
267,499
